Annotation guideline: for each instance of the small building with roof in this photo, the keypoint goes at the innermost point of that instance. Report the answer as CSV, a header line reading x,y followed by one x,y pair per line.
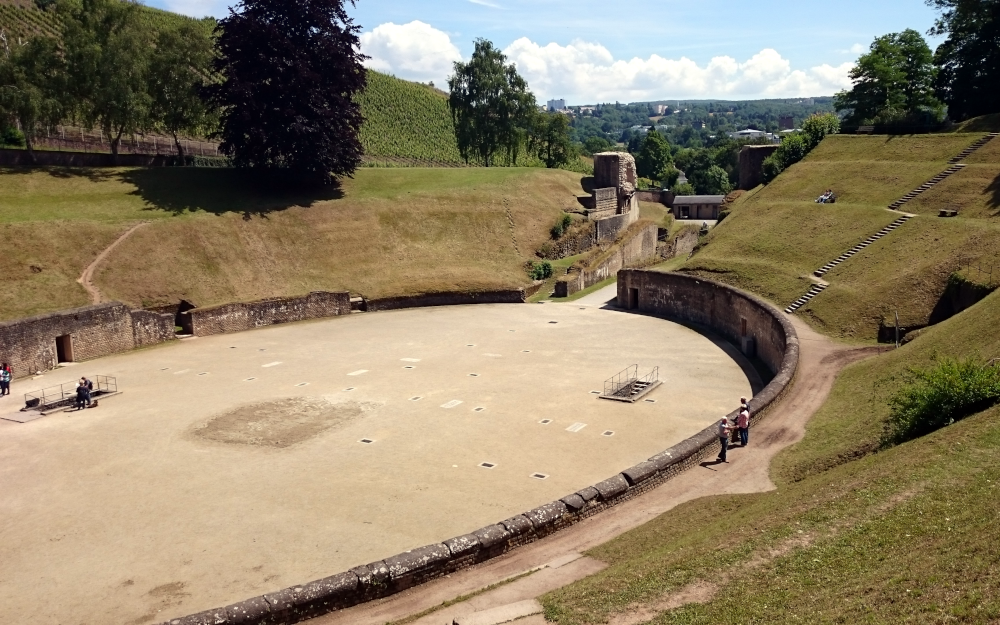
x,y
704,207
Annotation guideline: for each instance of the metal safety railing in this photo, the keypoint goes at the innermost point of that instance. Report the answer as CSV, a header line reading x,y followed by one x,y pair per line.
x,y
627,382
65,394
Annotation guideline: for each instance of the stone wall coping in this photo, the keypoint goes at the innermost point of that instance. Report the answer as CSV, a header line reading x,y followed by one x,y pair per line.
x,y
364,583
64,313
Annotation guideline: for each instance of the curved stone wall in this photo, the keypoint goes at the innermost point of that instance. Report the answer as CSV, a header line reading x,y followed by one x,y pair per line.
x,y
716,306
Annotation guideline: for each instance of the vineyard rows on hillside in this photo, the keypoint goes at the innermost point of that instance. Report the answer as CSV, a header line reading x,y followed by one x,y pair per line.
x,y
406,121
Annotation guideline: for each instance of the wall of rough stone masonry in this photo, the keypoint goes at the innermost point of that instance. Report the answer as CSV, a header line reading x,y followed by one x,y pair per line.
x,y
638,249
752,164
241,316
605,203
29,345
500,296
400,572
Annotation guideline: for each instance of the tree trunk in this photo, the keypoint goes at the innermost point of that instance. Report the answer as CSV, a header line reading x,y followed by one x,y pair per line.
x,y
30,148
180,149
115,143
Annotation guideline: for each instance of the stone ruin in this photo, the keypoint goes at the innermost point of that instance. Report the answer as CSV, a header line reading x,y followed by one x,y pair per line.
x,y
614,186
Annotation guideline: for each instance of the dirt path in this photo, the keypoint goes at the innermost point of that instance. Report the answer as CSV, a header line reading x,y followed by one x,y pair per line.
x,y
86,279
820,361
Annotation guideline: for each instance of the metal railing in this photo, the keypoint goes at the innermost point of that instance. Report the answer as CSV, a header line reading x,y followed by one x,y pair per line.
x,y
627,382
65,394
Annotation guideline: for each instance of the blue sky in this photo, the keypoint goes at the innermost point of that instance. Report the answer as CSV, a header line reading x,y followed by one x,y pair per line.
x,y
588,51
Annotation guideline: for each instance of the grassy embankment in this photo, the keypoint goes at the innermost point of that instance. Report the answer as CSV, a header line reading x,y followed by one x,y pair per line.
x,y
777,237
213,237
849,536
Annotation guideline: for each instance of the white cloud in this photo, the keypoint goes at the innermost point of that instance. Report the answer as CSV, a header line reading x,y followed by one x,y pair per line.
x,y
414,51
585,72
859,48
486,3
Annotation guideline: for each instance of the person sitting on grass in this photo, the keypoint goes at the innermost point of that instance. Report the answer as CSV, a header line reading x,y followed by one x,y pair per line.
x,y
823,199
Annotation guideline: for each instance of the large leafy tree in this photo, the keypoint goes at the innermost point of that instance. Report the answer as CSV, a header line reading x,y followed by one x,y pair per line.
x,y
32,83
107,52
968,61
654,160
179,72
549,138
892,82
291,72
491,106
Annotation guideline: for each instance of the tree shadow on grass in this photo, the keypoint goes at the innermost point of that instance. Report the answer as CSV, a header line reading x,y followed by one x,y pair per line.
x,y
994,191
180,190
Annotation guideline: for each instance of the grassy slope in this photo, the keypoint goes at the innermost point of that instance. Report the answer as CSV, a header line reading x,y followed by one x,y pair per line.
x,y
776,238
214,237
904,535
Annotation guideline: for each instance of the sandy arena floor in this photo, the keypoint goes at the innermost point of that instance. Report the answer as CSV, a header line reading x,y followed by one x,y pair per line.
x,y
236,465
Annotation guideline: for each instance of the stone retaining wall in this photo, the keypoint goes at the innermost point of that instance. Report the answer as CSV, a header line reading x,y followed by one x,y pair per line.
x,y
49,158
242,316
636,250
501,296
29,345
671,295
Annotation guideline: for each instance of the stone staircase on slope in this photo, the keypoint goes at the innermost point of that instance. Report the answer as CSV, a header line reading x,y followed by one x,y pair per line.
x,y
964,154
819,273
815,290
926,186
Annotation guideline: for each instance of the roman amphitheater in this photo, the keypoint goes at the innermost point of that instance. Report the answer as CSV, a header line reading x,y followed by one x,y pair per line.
x,y
367,452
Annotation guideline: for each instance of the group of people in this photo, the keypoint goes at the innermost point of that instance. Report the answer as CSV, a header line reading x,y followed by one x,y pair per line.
x,y
828,197
6,375
83,390
742,426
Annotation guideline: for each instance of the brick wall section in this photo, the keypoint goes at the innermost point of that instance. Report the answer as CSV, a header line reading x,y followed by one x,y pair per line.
x,y
29,345
241,316
605,203
392,575
608,229
501,296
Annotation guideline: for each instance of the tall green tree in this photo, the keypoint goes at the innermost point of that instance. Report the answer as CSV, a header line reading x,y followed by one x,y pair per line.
x,y
292,70
968,61
491,106
549,138
654,160
892,82
179,72
107,53
32,84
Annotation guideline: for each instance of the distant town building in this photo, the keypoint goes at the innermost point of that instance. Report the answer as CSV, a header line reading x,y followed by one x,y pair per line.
x,y
786,122
661,109
808,101
556,105
697,125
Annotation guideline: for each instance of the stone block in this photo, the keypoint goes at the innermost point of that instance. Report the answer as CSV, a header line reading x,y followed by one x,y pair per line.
x,y
282,601
463,545
612,487
664,459
380,572
419,559
587,494
517,525
640,472
250,612
548,514
574,502
325,595
492,535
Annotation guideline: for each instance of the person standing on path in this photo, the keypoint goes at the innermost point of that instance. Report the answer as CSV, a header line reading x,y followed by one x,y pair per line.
x,y
5,377
743,425
724,429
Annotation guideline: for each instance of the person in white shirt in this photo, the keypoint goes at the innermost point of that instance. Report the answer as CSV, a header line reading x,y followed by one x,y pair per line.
x,y
724,428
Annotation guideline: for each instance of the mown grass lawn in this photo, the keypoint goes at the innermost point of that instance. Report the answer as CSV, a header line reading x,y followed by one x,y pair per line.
x,y
218,235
